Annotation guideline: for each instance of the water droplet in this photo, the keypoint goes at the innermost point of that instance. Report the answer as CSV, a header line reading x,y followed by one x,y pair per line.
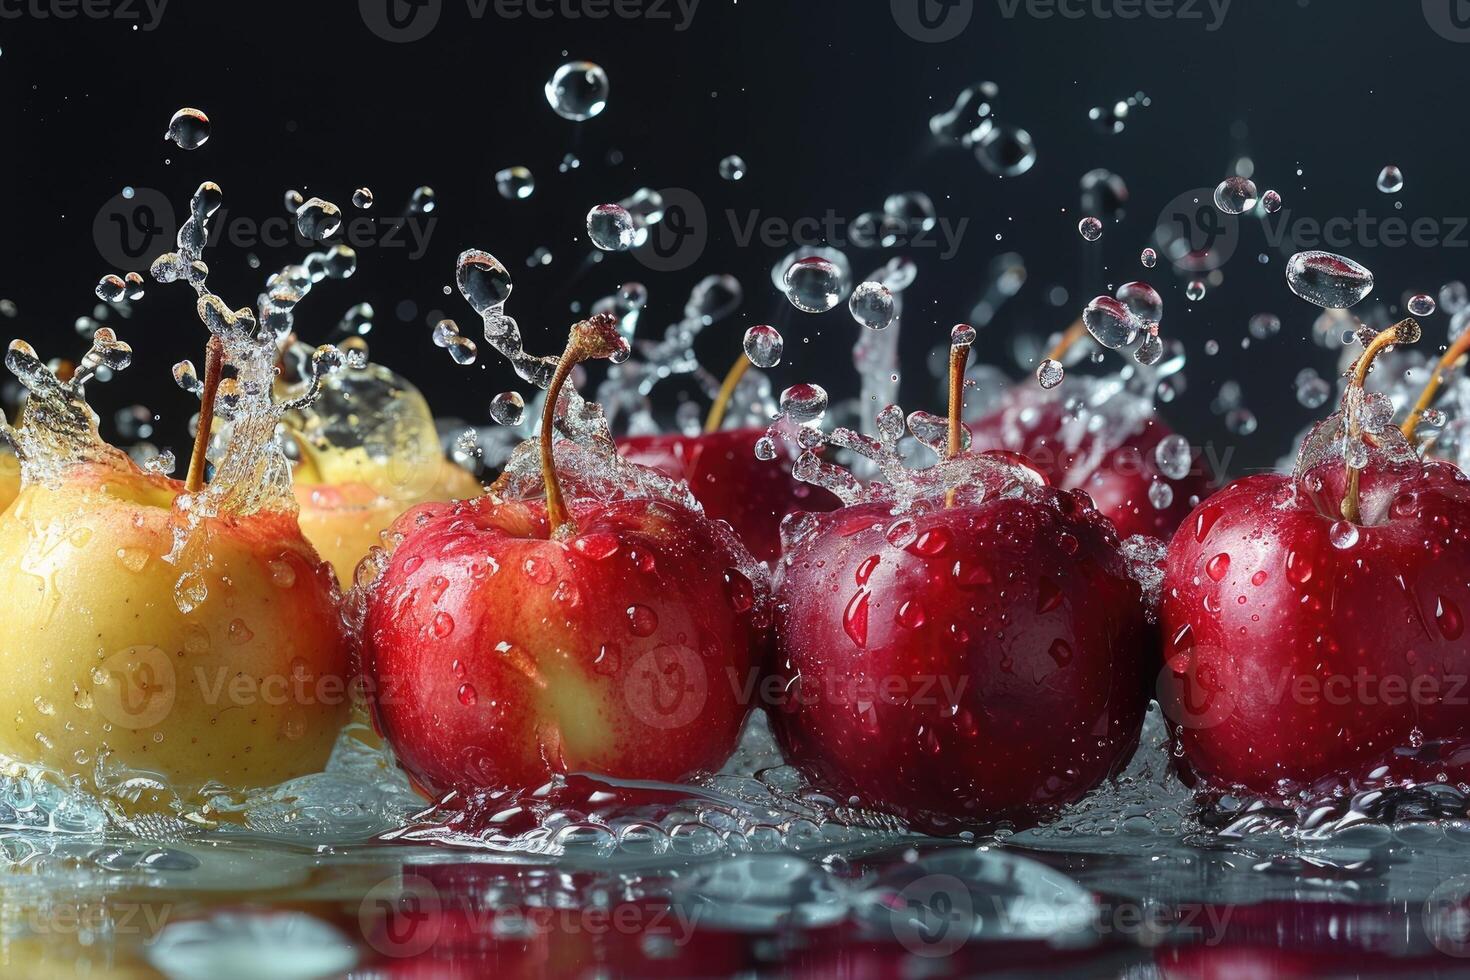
x,y
765,449
872,305
423,200
1422,305
1390,179
732,167
317,219
1050,373
1271,201
111,288
813,284
1447,615
578,90
508,408
1142,300
467,695
764,346
362,198
239,633
1151,351
855,618
1218,567
189,129
1327,280
1006,151
804,402
1343,535
911,615
1090,228
610,227
1195,291
1235,195
1312,391
1149,258
1174,456
282,574
739,591
1060,651
1264,325
1110,322
642,621
515,183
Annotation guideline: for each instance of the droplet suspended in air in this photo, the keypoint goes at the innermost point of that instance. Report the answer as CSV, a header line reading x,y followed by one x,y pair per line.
x,y
764,346
804,403
872,305
422,201
508,408
111,288
362,198
318,219
1264,325
1090,228
732,168
1050,373
1006,151
1235,195
1174,456
188,129
610,227
1151,351
813,284
1195,291
1422,305
1271,201
578,91
483,280
515,183
1390,179
962,335
1330,281
1142,300
1110,322
1148,258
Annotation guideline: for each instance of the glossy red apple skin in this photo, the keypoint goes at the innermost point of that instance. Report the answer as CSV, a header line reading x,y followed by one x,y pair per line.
x,y
1030,421
731,484
498,657
1292,665
1011,641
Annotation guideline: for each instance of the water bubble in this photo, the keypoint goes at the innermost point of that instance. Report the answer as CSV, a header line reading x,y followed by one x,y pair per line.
x,y
1264,325
578,90
483,280
111,288
1109,119
1090,228
1312,391
1235,195
764,346
1149,258
1271,201
317,219
1142,300
1241,421
765,448
961,335
515,183
610,227
1110,322
970,117
1454,297
189,129
804,402
1390,179
1151,351
508,408
569,163
912,211
423,200
1104,193
1006,151
872,305
1422,305
1195,291
1174,456
1376,413
462,350
732,167
1160,495
293,200
1050,373
1327,280
813,284
362,198
1343,535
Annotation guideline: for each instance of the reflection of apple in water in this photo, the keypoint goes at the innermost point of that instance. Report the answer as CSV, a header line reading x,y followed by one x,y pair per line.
x,y
510,640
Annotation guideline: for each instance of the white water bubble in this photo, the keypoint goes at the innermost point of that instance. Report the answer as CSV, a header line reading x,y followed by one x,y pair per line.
x,y
1422,305
962,335
765,449
483,280
1330,281
1150,352
1264,325
610,227
1390,179
1006,151
1142,300
1090,228
189,129
913,211
362,198
1110,322
1271,201
508,408
1174,456
1195,291
1312,390
111,288
1343,535
813,284
1160,494
871,305
804,403
317,219
764,346
515,183
1235,195
1050,373
1148,258
732,168
578,90
423,200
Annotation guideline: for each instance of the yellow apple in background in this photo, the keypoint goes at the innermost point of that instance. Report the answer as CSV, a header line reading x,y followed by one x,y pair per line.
x,y
9,479
229,666
369,451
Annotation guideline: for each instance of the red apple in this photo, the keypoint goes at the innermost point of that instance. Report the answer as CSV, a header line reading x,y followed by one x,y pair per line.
x,y
730,483
1115,464
511,640
965,665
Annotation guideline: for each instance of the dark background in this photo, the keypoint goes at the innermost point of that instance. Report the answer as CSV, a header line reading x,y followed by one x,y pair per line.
x,y
828,102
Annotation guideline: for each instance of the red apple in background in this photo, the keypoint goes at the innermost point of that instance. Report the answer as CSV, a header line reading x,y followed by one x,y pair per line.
x,y
511,640
730,483
1315,628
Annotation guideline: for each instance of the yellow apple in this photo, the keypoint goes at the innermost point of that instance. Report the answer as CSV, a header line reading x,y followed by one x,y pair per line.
x,y
227,665
9,479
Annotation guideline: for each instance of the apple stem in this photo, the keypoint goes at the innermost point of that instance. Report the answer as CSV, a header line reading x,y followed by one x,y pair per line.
x,y
597,337
1405,331
959,356
716,416
1449,362
1074,333
214,363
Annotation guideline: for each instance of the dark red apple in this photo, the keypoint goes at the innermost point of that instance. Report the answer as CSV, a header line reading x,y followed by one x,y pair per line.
x,y
730,483
1115,462
961,666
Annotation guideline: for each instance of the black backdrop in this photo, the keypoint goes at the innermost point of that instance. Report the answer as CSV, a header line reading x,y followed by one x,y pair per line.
x,y
827,100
